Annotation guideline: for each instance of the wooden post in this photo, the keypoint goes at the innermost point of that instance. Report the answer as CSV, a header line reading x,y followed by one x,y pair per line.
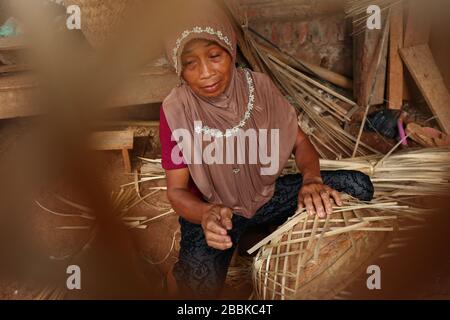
x,y
395,73
423,68
366,67
126,160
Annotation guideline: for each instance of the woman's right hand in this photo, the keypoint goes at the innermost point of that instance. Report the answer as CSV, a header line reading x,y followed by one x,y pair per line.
x,y
215,223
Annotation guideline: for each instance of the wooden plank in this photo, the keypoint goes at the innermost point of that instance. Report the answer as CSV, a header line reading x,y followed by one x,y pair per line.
x,y
18,92
139,128
418,24
144,89
14,68
366,51
12,43
381,75
111,140
395,70
423,68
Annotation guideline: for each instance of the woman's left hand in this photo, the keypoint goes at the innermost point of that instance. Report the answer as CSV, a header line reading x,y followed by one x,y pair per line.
x,y
316,197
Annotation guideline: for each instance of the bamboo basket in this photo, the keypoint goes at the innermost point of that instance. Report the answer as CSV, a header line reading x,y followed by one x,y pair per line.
x,y
313,258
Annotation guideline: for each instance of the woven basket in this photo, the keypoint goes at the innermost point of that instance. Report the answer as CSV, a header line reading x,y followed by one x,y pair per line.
x,y
318,258
101,19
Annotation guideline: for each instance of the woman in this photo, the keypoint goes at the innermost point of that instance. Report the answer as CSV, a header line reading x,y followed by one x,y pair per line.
x,y
218,201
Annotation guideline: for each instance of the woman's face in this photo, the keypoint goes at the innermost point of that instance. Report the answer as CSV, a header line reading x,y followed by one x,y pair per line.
x,y
206,67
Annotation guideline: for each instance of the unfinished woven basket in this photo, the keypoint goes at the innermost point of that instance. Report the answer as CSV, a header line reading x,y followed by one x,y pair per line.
x,y
101,18
312,258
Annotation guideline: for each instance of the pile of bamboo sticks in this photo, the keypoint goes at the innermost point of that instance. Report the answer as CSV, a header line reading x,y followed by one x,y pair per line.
x,y
323,110
408,173
123,201
357,10
405,174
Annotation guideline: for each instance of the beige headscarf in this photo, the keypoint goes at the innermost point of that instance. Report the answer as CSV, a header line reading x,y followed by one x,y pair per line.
x,y
241,187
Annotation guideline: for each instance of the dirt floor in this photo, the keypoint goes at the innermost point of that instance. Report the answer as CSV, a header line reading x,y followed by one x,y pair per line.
x,y
147,254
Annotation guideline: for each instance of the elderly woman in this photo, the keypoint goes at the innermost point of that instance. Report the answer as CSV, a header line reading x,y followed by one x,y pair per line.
x,y
216,201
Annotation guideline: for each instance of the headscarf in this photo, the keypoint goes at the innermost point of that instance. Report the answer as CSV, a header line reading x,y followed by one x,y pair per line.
x,y
241,187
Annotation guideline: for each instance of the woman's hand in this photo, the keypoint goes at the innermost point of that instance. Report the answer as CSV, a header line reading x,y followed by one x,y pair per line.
x,y
215,223
316,197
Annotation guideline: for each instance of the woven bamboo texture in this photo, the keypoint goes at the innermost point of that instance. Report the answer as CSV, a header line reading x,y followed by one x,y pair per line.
x,y
101,18
313,258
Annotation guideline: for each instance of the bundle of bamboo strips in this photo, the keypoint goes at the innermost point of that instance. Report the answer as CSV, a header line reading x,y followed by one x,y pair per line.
x,y
357,10
422,172
410,173
321,116
317,103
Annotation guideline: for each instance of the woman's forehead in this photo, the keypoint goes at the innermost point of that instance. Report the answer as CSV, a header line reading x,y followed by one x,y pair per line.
x,y
194,43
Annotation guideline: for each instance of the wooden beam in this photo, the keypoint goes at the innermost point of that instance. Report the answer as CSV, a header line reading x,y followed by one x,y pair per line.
x,y
18,92
12,43
111,140
423,68
14,68
395,70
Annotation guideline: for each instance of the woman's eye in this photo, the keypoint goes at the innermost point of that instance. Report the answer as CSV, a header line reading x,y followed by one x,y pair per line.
x,y
216,55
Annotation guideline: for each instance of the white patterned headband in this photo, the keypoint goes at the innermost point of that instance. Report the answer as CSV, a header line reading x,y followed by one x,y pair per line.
x,y
207,30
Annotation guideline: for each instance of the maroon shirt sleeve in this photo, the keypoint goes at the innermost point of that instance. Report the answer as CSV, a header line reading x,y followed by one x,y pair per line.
x,y
167,145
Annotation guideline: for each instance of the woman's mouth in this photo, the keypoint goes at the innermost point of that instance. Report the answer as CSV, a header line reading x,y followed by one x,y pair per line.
x,y
212,88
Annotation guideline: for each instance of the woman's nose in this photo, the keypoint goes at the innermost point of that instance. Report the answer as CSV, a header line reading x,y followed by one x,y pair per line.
x,y
205,70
